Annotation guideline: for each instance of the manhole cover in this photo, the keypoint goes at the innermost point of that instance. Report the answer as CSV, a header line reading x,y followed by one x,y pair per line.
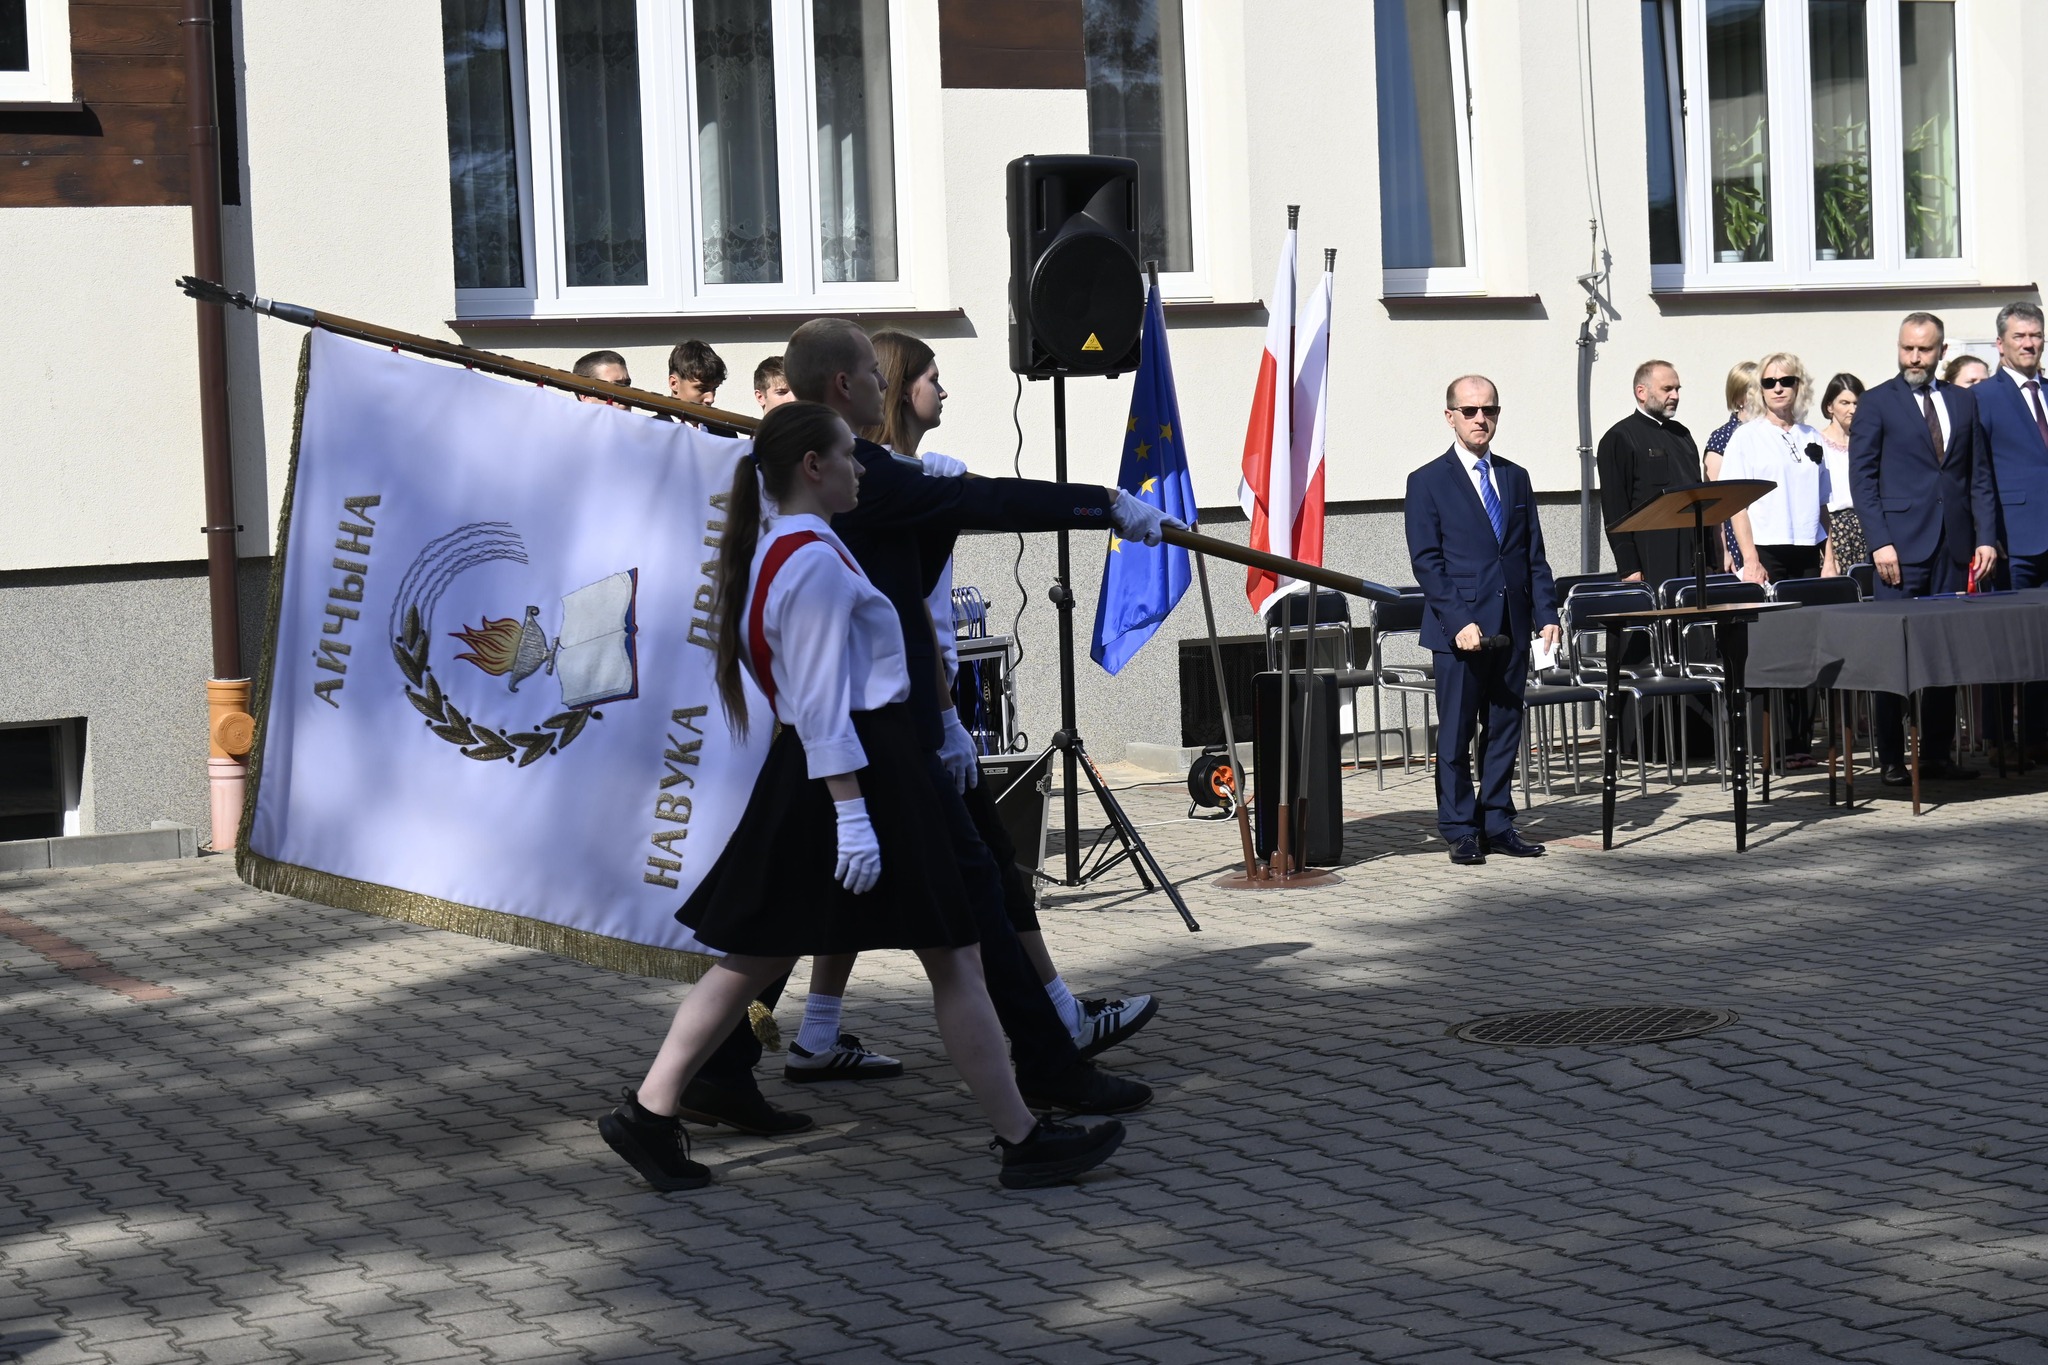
x,y
1609,1024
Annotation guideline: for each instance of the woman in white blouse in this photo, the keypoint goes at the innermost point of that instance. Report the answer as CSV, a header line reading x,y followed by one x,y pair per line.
x,y
1781,533
833,853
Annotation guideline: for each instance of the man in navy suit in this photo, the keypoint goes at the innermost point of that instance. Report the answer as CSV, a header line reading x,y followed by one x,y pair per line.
x,y
1923,492
2012,434
1477,549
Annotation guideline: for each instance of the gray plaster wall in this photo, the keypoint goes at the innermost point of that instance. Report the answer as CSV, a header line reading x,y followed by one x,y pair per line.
x,y
129,648
1142,703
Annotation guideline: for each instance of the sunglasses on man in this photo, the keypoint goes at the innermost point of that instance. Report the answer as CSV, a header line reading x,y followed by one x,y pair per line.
x,y
1779,381
1491,410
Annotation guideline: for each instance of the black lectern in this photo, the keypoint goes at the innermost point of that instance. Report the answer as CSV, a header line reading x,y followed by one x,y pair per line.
x,y
1697,509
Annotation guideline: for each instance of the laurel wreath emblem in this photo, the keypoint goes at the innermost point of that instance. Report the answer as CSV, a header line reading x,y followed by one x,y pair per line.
x,y
484,743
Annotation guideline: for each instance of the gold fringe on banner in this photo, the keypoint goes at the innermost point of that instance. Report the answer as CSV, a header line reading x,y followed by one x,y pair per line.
x,y
305,883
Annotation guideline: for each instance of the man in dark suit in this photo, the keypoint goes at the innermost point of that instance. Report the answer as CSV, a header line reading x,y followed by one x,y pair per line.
x,y
1924,495
2012,433
1643,456
1477,548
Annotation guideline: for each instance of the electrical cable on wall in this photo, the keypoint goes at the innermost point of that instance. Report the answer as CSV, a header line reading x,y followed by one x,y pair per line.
x,y
1017,565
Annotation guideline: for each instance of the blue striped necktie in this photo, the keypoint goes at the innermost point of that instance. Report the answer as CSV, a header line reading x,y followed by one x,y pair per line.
x,y
1492,501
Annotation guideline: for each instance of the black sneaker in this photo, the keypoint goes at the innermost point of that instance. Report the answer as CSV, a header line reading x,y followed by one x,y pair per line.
x,y
748,1111
1105,1023
654,1145
1054,1153
1086,1089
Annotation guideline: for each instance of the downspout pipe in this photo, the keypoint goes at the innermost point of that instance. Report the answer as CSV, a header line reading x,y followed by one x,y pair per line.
x,y
1589,528
230,730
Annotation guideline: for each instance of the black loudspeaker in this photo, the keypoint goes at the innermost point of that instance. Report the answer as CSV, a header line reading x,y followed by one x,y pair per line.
x,y
1315,769
1020,785
1077,290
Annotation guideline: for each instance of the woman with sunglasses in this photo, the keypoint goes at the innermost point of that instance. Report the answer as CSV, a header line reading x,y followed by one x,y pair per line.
x,y
1781,533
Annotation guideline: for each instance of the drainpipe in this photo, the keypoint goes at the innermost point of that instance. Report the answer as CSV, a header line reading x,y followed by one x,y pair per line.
x,y
230,730
1589,530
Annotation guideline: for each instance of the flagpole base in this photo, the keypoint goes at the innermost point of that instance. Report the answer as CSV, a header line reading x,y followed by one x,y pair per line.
x,y
1307,879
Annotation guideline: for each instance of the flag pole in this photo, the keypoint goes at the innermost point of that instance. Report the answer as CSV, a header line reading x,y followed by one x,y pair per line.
x,y
1283,803
490,362
1252,871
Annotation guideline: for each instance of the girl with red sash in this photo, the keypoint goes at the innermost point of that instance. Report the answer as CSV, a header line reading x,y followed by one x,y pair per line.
x,y
831,854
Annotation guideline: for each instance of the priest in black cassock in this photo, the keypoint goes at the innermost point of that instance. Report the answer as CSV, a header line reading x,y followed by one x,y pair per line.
x,y
1644,455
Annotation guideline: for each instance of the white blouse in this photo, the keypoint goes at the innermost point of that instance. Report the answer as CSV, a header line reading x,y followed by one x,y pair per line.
x,y
1841,493
1789,514
834,644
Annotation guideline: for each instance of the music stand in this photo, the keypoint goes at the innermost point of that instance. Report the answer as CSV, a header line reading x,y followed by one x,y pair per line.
x,y
1695,509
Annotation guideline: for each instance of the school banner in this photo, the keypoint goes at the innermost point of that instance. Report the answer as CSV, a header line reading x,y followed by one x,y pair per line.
x,y
490,704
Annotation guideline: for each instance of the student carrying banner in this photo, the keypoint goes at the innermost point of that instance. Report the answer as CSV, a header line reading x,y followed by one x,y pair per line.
x,y
831,854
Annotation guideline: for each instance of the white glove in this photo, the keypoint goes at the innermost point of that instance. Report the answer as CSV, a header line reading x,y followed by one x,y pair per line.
x,y
1140,521
957,752
943,466
860,854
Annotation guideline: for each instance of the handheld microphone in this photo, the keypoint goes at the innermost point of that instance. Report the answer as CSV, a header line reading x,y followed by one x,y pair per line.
x,y
1494,642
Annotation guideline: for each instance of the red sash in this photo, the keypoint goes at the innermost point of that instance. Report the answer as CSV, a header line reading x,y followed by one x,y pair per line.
x,y
757,642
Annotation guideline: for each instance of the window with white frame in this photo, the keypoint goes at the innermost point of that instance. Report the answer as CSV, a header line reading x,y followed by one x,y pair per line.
x,y
1141,90
1428,234
1809,143
35,51
621,157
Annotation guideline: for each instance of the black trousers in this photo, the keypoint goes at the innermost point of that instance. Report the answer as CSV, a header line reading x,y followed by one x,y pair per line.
x,y
1937,704
1040,1046
1793,561
731,1065
1000,893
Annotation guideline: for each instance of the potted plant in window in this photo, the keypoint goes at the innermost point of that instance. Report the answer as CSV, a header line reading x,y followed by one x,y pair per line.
x,y
1738,199
1930,226
1841,193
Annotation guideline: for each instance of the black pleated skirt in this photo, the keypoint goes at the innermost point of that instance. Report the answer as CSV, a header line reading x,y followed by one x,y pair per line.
x,y
772,893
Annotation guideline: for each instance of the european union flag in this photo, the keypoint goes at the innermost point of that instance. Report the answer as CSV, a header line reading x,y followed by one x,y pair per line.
x,y
1140,584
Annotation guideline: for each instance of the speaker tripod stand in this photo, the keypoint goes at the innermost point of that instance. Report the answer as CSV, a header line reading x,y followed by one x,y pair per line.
x,y
1120,842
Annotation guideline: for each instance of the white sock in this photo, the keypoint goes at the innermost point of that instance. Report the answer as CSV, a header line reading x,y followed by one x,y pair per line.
x,y
1063,1000
820,1031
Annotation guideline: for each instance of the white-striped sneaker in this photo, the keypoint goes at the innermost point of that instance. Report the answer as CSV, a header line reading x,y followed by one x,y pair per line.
x,y
845,1060
1105,1023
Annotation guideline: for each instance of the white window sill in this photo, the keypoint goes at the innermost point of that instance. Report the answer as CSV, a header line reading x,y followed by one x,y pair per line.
x,y
1758,288
792,316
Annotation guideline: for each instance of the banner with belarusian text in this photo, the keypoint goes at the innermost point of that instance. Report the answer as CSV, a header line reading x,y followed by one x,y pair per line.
x,y
489,704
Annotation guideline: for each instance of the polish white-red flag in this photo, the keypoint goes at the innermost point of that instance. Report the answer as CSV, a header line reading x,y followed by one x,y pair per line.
x,y
1311,419
1268,492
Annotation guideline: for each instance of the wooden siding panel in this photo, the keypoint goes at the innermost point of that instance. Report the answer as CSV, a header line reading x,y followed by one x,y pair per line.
x,y
1011,45
125,30
94,181
129,144
129,130
128,80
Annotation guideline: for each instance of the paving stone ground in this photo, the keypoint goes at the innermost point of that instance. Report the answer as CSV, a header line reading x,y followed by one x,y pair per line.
x,y
341,1138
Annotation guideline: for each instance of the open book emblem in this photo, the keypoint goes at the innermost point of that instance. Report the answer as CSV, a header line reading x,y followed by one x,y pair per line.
x,y
594,656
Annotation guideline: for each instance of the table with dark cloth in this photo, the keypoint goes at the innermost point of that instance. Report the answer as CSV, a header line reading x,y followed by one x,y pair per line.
x,y
1902,645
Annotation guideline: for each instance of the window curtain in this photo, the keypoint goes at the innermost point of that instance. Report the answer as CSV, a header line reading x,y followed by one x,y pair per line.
x,y
736,156
856,140
1138,107
13,35
1839,49
1927,80
1666,244
604,208
1422,212
483,167
1738,123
